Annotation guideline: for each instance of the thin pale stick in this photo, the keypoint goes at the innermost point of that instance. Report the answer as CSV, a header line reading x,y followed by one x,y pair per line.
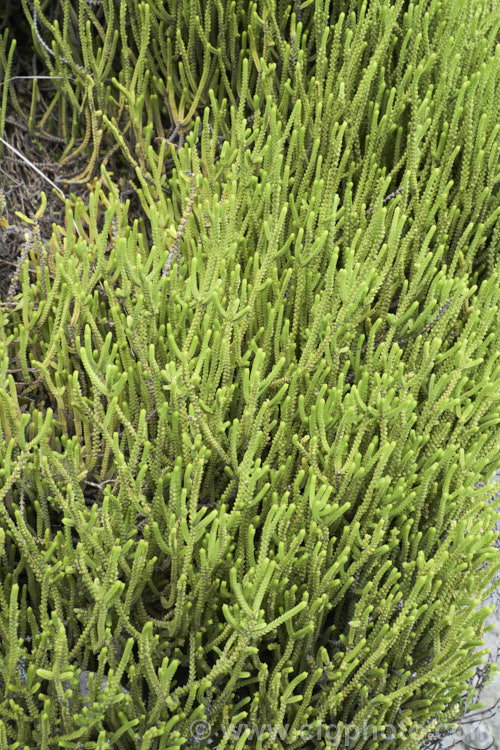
x,y
21,156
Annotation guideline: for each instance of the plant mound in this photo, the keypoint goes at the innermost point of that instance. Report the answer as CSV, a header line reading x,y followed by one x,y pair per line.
x,y
249,386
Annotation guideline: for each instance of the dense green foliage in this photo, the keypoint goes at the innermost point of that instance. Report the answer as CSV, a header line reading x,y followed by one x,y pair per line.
x,y
250,389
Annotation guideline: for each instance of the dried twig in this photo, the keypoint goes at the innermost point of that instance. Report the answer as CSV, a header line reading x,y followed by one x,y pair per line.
x,y
25,159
